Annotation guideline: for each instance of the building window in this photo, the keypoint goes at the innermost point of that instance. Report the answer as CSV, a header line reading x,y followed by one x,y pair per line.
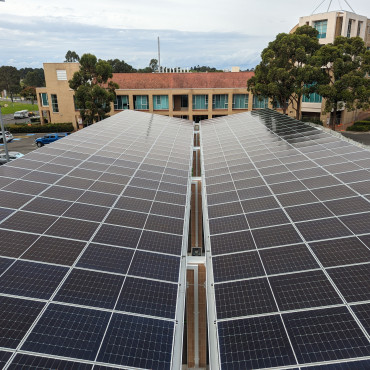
x,y
312,98
359,26
350,21
220,101
61,75
240,101
44,99
121,102
54,103
321,27
200,101
160,102
141,102
260,102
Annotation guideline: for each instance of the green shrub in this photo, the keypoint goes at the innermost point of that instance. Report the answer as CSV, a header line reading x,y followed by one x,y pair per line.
x,y
362,123
362,128
51,127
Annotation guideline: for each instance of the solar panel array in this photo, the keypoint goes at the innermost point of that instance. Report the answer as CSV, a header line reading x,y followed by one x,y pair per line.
x,y
91,237
288,242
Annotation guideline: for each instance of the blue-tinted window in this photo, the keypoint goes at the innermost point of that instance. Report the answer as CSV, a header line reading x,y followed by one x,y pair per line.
x,y
121,102
260,102
220,101
321,27
240,101
312,98
200,101
141,102
44,99
160,102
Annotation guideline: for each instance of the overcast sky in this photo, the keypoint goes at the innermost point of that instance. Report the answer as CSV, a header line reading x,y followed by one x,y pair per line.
x,y
205,32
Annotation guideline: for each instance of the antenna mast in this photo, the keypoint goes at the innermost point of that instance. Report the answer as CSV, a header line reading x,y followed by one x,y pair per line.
x,y
322,2
159,56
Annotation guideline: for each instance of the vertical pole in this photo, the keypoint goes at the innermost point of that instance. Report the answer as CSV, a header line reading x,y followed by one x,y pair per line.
x,y
159,55
4,138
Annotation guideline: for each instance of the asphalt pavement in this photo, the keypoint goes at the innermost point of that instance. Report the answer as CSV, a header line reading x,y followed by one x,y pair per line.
x,y
23,143
360,137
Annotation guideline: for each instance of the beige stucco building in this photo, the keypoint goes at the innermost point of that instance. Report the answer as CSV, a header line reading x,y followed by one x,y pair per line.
x,y
194,96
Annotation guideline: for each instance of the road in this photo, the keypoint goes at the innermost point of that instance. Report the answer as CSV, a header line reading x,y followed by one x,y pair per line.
x,y
360,137
23,143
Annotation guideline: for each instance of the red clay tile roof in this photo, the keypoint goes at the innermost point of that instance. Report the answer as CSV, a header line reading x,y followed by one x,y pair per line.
x,y
182,80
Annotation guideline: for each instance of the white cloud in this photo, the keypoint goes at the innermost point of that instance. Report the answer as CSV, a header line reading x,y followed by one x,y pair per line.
x,y
218,33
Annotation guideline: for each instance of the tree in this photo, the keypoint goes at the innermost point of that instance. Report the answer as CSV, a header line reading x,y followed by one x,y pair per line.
x,y
286,73
10,80
71,56
344,65
153,64
93,92
120,66
29,92
35,78
198,68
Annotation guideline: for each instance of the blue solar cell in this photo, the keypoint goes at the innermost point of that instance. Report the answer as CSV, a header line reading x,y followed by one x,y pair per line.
x,y
153,298
17,316
138,342
31,279
68,331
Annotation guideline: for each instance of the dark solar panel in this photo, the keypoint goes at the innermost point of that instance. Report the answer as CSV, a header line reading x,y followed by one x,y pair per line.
x,y
75,241
315,338
68,331
138,342
17,316
244,298
301,219
147,297
237,266
259,342
90,288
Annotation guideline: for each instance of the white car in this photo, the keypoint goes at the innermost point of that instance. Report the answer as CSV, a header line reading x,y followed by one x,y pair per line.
x,y
12,155
8,135
21,114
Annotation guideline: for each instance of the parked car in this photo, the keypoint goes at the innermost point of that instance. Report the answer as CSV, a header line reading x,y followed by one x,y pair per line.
x,y
49,138
12,155
21,114
9,137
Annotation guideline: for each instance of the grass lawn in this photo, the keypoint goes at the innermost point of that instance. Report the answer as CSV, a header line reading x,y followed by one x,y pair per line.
x,y
7,107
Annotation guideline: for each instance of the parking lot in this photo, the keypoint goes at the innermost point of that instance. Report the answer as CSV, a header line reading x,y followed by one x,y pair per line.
x,y
23,143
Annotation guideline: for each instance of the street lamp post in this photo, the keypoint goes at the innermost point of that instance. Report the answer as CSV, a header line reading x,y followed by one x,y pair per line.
x,y
4,137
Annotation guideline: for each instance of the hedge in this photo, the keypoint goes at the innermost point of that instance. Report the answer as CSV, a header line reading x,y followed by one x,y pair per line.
x,y
51,127
362,128
362,123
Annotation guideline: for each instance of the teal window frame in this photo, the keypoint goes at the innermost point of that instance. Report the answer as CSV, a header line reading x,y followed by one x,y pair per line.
x,y
200,102
322,27
141,102
220,101
260,102
54,103
349,28
44,99
121,102
240,101
312,98
160,102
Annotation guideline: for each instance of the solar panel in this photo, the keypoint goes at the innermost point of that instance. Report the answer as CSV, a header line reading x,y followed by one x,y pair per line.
x,y
94,227
287,244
